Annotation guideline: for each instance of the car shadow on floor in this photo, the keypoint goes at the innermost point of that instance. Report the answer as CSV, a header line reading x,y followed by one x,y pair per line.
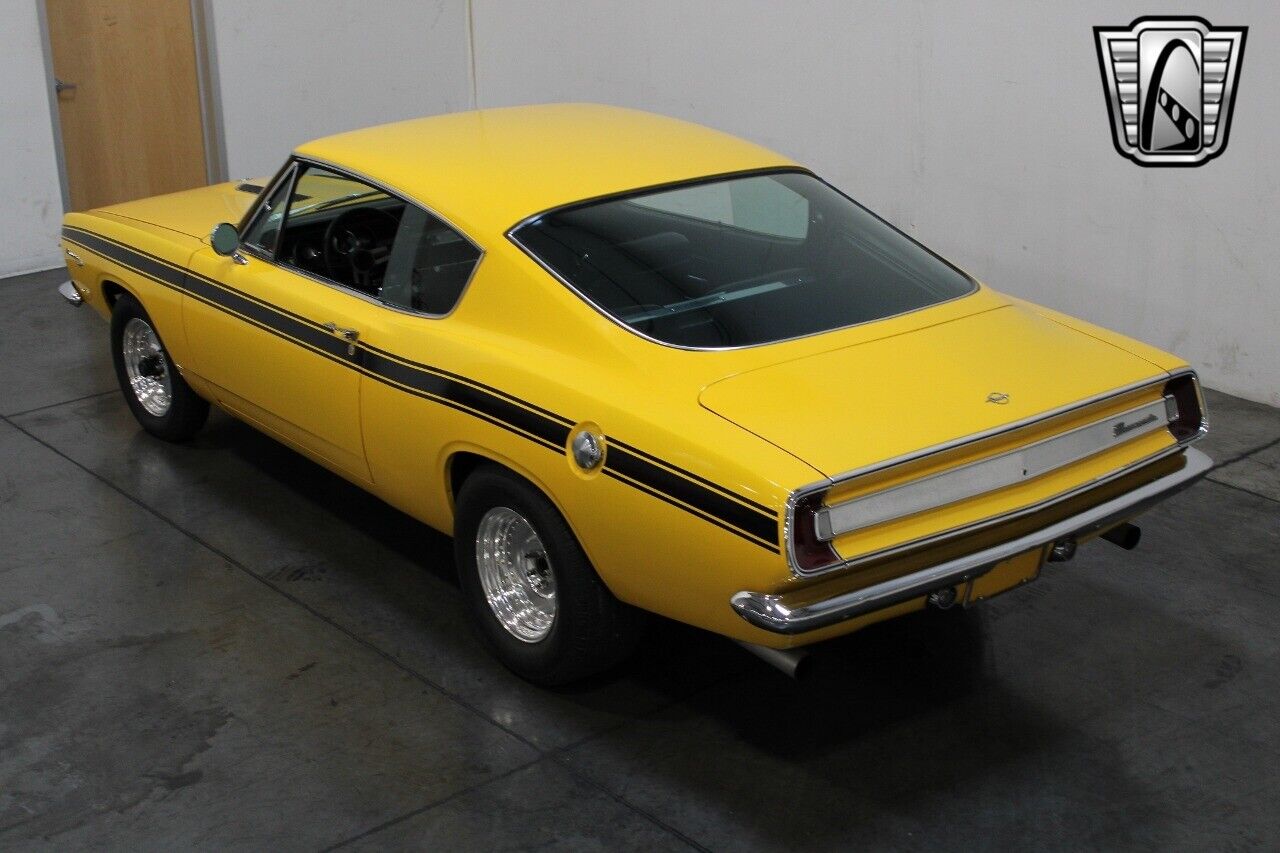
x,y
910,720
924,658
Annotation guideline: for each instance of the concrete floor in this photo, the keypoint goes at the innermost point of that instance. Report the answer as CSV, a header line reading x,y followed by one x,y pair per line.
x,y
220,645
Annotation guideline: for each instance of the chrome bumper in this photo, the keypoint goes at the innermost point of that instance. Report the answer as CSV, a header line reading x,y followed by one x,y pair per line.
x,y
771,613
68,291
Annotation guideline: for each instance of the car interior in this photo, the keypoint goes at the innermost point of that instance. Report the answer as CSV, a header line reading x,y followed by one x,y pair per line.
x,y
378,245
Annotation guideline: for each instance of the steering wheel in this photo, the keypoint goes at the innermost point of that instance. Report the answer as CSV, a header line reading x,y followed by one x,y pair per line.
x,y
354,245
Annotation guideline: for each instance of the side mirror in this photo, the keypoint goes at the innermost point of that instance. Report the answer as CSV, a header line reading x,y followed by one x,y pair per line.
x,y
225,240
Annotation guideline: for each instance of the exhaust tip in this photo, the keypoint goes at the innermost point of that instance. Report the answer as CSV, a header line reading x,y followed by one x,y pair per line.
x,y
1062,550
792,662
943,599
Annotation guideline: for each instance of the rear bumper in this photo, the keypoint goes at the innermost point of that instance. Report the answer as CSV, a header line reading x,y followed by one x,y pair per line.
x,y
772,613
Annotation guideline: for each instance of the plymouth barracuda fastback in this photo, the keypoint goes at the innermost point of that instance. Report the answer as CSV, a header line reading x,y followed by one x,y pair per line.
x,y
633,364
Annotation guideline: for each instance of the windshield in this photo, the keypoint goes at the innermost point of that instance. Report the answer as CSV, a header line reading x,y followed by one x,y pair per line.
x,y
738,262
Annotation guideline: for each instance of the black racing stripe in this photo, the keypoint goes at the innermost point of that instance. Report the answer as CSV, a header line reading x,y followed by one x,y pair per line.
x,y
442,386
307,331
148,265
282,324
709,519
721,489
693,494
496,407
167,272
469,381
206,290
629,465
283,312
444,401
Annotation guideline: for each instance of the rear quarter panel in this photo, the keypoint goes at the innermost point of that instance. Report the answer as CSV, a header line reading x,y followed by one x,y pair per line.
x,y
650,544
1165,361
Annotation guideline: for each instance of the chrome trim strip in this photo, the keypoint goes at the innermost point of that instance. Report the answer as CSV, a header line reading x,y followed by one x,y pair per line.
x,y
67,290
250,217
991,474
1156,379
771,613
943,536
822,485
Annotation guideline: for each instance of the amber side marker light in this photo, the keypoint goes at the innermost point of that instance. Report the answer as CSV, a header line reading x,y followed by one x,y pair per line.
x,y
1186,415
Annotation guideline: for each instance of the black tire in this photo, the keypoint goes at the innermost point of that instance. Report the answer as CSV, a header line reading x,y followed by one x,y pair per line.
x,y
591,631
186,411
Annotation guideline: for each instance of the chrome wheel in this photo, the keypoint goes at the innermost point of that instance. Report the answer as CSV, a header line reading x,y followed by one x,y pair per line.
x,y
147,367
516,574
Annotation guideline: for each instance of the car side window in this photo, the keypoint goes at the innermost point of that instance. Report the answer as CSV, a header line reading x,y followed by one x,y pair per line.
x,y
430,264
264,231
339,228
363,238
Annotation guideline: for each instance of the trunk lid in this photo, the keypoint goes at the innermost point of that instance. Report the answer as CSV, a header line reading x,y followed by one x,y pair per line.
x,y
847,408
190,212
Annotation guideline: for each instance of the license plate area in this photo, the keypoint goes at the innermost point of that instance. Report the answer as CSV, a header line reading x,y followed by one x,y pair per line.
x,y
1006,575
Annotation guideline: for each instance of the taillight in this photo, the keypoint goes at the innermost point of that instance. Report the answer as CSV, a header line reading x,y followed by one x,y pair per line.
x,y
1186,407
810,552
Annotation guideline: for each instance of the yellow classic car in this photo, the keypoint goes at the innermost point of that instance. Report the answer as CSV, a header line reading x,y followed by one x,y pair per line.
x,y
633,364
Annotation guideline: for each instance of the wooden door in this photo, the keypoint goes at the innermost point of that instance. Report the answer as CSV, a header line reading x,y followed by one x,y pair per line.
x,y
131,126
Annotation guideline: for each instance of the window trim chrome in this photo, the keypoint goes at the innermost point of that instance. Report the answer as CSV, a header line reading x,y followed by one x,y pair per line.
x,y
803,492
291,170
975,285
285,174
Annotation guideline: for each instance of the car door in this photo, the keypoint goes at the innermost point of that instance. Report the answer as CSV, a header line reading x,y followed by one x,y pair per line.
x,y
420,399
274,329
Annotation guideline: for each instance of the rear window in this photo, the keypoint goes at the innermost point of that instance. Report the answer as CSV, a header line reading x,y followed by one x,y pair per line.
x,y
739,262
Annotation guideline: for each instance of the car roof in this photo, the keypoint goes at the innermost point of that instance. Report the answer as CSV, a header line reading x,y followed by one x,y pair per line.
x,y
486,170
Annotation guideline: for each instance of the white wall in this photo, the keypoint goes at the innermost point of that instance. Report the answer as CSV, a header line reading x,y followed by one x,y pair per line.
x,y
978,127
31,195
290,72
287,73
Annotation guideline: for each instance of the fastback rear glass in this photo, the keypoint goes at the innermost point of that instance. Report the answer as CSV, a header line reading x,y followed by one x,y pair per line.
x,y
740,261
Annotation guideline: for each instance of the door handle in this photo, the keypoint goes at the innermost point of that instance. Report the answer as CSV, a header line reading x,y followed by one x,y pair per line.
x,y
59,86
348,335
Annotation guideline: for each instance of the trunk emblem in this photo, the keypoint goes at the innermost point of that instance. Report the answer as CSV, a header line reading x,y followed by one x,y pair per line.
x,y
1121,427
998,398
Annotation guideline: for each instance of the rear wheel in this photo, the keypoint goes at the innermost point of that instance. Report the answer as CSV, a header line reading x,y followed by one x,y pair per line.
x,y
160,399
533,593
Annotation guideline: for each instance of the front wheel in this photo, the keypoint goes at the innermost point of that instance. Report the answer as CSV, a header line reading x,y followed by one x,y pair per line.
x,y
533,593
160,399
